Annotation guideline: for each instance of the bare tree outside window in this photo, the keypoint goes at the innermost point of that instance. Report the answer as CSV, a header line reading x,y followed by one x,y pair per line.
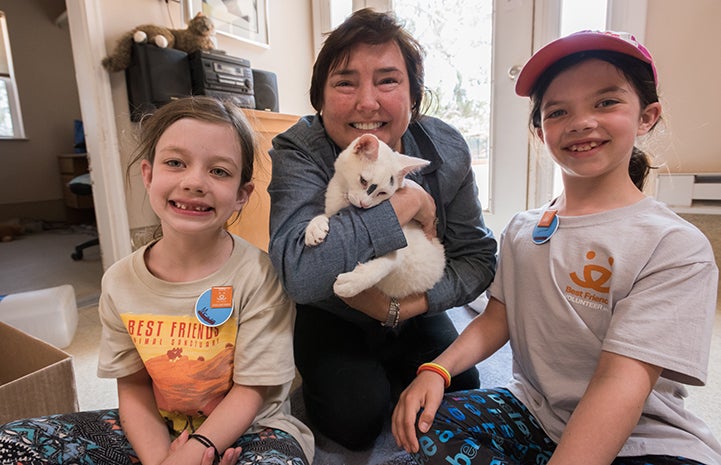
x,y
6,122
457,37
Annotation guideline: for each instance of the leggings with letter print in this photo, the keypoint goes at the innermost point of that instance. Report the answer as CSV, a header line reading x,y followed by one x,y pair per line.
x,y
492,427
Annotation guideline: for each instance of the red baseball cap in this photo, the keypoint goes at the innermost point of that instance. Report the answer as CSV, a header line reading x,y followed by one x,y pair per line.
x,y
581,41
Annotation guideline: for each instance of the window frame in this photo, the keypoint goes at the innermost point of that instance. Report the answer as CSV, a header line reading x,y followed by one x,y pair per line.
x,y
10,84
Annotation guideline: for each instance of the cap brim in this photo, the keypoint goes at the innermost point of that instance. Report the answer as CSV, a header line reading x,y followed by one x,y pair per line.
x,y
568,45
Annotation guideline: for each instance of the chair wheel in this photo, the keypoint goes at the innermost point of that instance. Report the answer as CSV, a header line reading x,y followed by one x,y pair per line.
x,y
77,255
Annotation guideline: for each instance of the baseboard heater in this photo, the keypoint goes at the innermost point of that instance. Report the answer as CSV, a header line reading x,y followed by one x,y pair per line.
x,y
687,189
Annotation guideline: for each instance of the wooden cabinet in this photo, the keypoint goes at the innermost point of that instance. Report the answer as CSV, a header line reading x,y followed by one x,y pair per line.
x,y
254,222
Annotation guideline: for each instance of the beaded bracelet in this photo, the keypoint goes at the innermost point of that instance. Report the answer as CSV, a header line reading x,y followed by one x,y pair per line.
x,y
436,368
207,443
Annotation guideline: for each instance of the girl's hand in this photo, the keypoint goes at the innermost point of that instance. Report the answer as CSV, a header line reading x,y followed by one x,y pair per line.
x,y
426,392
178,442
230,456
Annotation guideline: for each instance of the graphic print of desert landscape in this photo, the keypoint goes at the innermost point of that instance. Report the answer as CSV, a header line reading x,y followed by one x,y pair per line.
x,y
180,382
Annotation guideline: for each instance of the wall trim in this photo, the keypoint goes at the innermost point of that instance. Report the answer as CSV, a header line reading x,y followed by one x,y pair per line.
x,y
96,106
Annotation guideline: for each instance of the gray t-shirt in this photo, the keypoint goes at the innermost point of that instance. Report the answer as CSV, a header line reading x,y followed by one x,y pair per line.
x,y
637,281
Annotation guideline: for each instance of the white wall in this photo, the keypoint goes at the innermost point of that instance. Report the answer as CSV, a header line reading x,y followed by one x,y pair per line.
x,y
684,40
30,184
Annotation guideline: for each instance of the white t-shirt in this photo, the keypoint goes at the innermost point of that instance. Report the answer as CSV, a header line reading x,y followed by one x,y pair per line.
x,y
638,281
150,322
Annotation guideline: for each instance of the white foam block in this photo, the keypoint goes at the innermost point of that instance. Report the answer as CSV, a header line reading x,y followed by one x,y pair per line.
x,y
49,314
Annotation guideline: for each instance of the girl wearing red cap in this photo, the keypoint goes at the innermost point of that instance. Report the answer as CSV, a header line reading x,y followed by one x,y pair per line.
x,y
606,296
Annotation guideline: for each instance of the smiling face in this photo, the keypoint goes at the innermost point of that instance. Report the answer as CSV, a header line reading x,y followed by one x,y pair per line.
x,y
590,117
194,182
368,94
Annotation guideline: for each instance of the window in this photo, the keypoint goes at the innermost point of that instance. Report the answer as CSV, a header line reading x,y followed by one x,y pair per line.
x,y
11,126
457,37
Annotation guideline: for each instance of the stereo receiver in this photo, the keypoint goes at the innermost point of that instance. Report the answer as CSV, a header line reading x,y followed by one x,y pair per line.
x,y
219,75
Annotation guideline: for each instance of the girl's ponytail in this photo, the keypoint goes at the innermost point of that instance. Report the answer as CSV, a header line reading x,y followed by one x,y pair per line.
x,y
639,167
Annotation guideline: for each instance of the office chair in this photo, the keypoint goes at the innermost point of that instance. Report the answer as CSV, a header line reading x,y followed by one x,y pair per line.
x,y
81,185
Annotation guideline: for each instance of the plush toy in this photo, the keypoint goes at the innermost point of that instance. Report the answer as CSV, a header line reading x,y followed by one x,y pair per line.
x,y
199,35
10,231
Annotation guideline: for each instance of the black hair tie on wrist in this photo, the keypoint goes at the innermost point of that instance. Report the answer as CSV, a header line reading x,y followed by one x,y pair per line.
x,y
207,443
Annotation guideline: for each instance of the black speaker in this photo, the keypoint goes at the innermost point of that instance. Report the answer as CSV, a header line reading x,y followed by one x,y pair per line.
x,y
155,77
265,88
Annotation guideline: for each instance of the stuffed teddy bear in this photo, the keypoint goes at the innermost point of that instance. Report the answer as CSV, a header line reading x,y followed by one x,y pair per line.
x,y
199,35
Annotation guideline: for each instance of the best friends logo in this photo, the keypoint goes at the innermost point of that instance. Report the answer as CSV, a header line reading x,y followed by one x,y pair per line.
x,y
592,285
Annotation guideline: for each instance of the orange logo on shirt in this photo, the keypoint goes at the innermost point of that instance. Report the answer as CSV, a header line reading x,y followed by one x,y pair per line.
x,y
221,297
594,276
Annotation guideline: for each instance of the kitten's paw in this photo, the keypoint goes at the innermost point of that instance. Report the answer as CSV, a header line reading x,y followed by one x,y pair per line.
x,y
347,285
316,231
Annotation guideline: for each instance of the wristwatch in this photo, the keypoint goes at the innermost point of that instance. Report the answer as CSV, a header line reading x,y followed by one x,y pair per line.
x,y
394,314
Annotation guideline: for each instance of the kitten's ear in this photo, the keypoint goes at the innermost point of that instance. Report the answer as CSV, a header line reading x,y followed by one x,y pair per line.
x,y
410,164
366,146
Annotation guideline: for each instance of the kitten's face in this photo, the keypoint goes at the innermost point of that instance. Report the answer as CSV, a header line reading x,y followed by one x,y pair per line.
x,y
372,182
372,172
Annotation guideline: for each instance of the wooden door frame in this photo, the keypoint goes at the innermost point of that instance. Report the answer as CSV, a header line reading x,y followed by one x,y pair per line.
x,y
96,106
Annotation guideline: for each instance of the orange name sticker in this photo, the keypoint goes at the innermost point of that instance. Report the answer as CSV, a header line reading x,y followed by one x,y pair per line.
x,y
547,218
221,297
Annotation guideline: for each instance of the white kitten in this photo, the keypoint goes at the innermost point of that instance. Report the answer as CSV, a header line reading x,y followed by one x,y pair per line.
x,y
367,173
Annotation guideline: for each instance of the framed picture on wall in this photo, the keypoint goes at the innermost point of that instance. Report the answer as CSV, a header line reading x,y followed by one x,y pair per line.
x,y
245,20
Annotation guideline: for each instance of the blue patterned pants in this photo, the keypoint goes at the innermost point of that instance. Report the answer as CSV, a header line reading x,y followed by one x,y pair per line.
x,y
96,438
492,427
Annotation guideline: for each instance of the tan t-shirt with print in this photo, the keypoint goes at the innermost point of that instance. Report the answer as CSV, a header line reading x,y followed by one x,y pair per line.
x,y
192,358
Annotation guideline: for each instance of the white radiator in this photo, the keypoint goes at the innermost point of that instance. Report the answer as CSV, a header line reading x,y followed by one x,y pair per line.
x,y
683,189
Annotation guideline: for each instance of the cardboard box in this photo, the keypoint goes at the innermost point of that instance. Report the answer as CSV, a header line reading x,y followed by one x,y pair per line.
x,y
36,378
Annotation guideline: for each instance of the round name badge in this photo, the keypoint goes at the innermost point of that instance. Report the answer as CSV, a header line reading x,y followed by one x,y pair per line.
x,y
214,306
547,225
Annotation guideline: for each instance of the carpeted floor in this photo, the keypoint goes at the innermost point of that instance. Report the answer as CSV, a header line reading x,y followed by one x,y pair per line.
x,y
41,260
